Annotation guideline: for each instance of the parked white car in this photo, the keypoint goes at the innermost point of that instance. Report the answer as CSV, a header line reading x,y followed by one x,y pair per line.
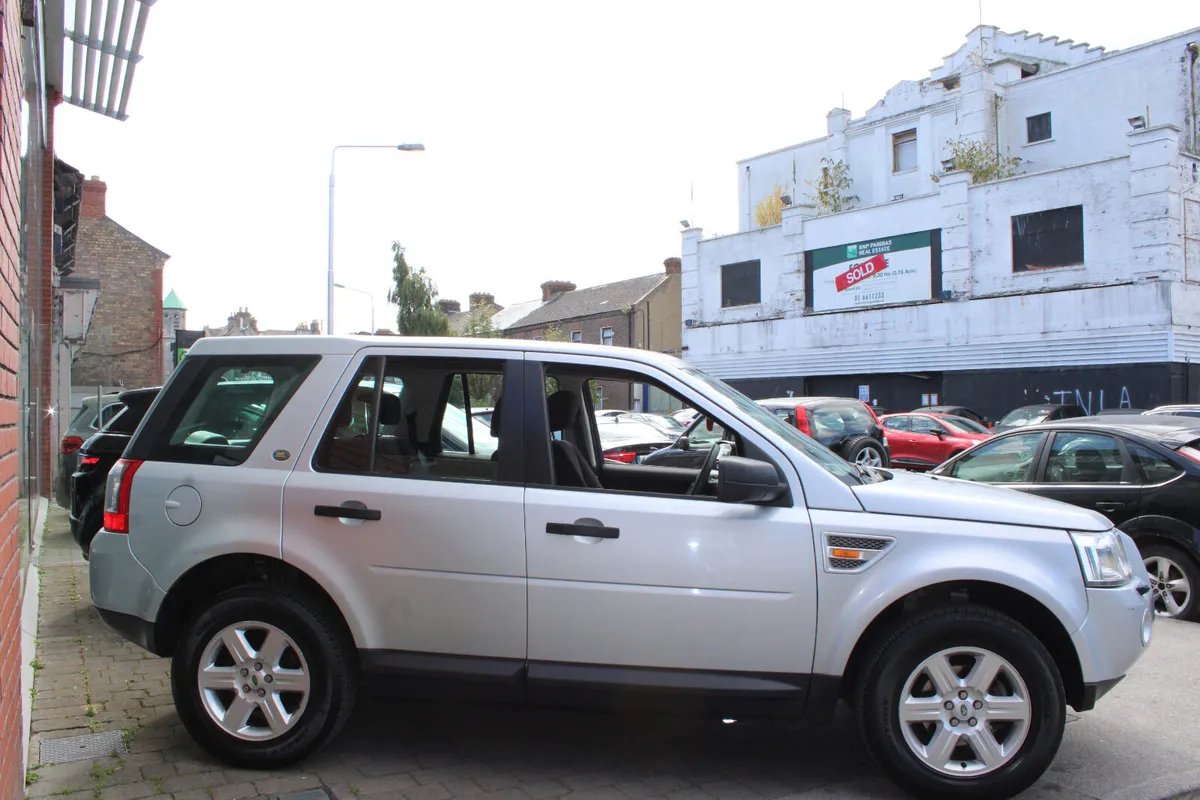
x,y
356,525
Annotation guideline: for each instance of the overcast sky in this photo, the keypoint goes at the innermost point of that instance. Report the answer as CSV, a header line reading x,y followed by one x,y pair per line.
x,y
564,138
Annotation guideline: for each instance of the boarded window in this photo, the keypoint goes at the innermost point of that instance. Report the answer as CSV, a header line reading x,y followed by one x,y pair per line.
x,y
1048,239
904,151
1037,128
740,284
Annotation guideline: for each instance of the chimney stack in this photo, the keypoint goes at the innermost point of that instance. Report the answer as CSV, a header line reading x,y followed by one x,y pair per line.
x,y
482,298
837,120
92,202
552,289
449,307
673,265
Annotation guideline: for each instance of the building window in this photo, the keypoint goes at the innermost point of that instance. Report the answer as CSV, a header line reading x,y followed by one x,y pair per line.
x,y
606,336
1037,128
576,336
740,284
1048,239
904,151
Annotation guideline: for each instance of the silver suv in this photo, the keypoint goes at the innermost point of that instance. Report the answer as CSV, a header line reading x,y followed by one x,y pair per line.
x,y
297,513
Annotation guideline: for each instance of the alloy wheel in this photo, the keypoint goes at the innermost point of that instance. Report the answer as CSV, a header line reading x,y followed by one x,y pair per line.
x,y
965,712
869,457
253,681
1169,583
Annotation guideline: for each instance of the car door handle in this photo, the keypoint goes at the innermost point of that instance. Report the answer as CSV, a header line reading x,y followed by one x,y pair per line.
x,y
572,529
1106,505
348,512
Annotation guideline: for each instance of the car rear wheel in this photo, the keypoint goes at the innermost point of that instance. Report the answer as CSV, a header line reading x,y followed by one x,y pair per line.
x,y
263,676
962,701
865,451
1174,580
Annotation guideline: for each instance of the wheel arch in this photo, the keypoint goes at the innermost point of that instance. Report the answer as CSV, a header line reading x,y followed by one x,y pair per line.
x,y
1027,610
221,573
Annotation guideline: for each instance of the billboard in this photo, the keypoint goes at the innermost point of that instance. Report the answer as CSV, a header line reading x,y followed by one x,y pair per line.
x,y
183,342
906,268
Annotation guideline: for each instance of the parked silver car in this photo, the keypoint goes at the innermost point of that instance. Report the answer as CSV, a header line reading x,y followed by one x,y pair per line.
x,y
284,523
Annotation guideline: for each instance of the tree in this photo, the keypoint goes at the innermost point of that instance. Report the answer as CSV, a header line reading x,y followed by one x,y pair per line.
x,y
982,160
553,333
413,291
770,211
479,324
832,188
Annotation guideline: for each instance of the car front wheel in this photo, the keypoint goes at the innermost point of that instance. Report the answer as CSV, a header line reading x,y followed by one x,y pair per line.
x,y
962,702
263,676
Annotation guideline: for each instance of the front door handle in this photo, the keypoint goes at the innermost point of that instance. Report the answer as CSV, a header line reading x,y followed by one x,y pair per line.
x,y
348,512
1107,505
574,529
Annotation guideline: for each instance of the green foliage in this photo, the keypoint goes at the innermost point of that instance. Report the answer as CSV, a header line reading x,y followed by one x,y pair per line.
x,y
413,291
831,190
479,323
982,160
553,333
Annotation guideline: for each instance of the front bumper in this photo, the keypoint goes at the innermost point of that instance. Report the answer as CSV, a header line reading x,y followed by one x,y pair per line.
x,y
124,593
1116,632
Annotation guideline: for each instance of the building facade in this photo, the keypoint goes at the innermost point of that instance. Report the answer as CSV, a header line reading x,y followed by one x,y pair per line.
x,y
1074,279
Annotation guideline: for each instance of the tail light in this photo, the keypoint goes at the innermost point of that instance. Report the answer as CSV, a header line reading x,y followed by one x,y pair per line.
x,y
624,456
89,461
116,495
1190,452
802,420
70,444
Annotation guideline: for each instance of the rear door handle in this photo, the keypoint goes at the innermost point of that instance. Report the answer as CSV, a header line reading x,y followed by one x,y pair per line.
x,y
1107,505
348,512
572,529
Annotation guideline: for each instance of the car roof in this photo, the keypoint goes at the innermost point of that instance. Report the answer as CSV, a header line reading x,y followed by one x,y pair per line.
x,y
349,345
1169,431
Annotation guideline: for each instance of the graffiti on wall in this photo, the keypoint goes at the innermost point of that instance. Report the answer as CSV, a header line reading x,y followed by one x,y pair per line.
x,y
1090,400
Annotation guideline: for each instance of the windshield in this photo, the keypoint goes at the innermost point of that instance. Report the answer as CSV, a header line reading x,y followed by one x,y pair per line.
x,y
964,424
1025,416
807,446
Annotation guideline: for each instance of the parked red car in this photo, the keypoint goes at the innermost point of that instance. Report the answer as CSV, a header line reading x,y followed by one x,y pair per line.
x,y
922,441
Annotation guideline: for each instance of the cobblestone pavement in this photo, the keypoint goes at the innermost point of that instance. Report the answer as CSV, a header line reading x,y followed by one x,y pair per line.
x,y
90,680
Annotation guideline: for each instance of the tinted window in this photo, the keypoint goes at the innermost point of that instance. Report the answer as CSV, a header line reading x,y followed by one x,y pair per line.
x,y
897,423
227,405
740,284
1007,460
840,419
417,421
1151,467
1047,239
926,426
1084,458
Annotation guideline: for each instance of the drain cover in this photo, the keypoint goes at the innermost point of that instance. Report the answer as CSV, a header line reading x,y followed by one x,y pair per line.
x,y
88,747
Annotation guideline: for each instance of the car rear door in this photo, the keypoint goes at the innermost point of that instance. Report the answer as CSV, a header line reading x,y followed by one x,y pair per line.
x,y
898,430
1090,469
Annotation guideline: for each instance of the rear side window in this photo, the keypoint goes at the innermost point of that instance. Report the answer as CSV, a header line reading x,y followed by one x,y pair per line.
x,y
896,423
225,407
1151,467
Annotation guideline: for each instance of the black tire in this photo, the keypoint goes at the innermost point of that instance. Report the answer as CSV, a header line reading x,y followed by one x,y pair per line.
x,y
900,652
856,445
327,649
1190,611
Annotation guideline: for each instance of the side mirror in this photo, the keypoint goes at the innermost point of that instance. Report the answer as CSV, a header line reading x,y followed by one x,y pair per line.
x,y
744,480
941,434
683,443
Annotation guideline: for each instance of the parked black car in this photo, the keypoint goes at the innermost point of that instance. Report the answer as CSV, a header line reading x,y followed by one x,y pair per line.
x,y
846,426
96,458
955,411
1142,472
1037,414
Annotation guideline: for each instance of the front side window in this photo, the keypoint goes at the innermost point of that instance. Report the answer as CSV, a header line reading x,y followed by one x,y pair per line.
x,y
227,404
415,417
1047,239
1084,458
1006,460
741,284
926,426
904,151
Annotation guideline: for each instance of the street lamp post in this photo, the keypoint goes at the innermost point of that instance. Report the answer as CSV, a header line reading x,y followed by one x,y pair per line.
x,y
370,296
332,165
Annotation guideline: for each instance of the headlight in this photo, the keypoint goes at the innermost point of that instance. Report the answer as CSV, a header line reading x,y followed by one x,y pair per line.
x,y
1103,558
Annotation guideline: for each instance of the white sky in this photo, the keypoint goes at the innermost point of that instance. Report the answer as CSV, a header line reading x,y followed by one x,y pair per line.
x,y
562,137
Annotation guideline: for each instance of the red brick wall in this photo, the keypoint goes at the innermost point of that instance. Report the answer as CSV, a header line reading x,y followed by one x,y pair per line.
x,y
11,728
124,344
617,394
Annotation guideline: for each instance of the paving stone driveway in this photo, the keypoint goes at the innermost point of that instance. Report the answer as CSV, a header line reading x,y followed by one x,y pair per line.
x,y
91,680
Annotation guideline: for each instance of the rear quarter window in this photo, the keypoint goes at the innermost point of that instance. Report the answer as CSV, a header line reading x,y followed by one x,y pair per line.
x,y
220,408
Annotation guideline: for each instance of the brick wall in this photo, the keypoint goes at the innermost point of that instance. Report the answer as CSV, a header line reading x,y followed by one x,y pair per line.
x,y
11,729
125,343
617,394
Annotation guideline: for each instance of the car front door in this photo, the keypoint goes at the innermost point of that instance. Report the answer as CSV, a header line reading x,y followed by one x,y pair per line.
x,y
412,513
674,592
1090,470
899,437
929,440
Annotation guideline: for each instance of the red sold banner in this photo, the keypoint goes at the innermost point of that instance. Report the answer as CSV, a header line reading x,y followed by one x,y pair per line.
x,y
860,272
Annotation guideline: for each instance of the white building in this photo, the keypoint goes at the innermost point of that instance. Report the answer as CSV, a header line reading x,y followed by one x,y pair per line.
x,y
1077,280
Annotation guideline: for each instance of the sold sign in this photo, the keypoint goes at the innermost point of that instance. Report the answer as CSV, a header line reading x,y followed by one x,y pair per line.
x,y
860,272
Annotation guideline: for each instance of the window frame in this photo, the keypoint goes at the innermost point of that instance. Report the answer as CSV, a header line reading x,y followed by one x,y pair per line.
x,y
726,280
510,464
577,337
607,336
899,139
1035,119
1127,470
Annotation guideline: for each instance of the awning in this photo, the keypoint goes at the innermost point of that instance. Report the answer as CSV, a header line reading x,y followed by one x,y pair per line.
x,y
103,40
